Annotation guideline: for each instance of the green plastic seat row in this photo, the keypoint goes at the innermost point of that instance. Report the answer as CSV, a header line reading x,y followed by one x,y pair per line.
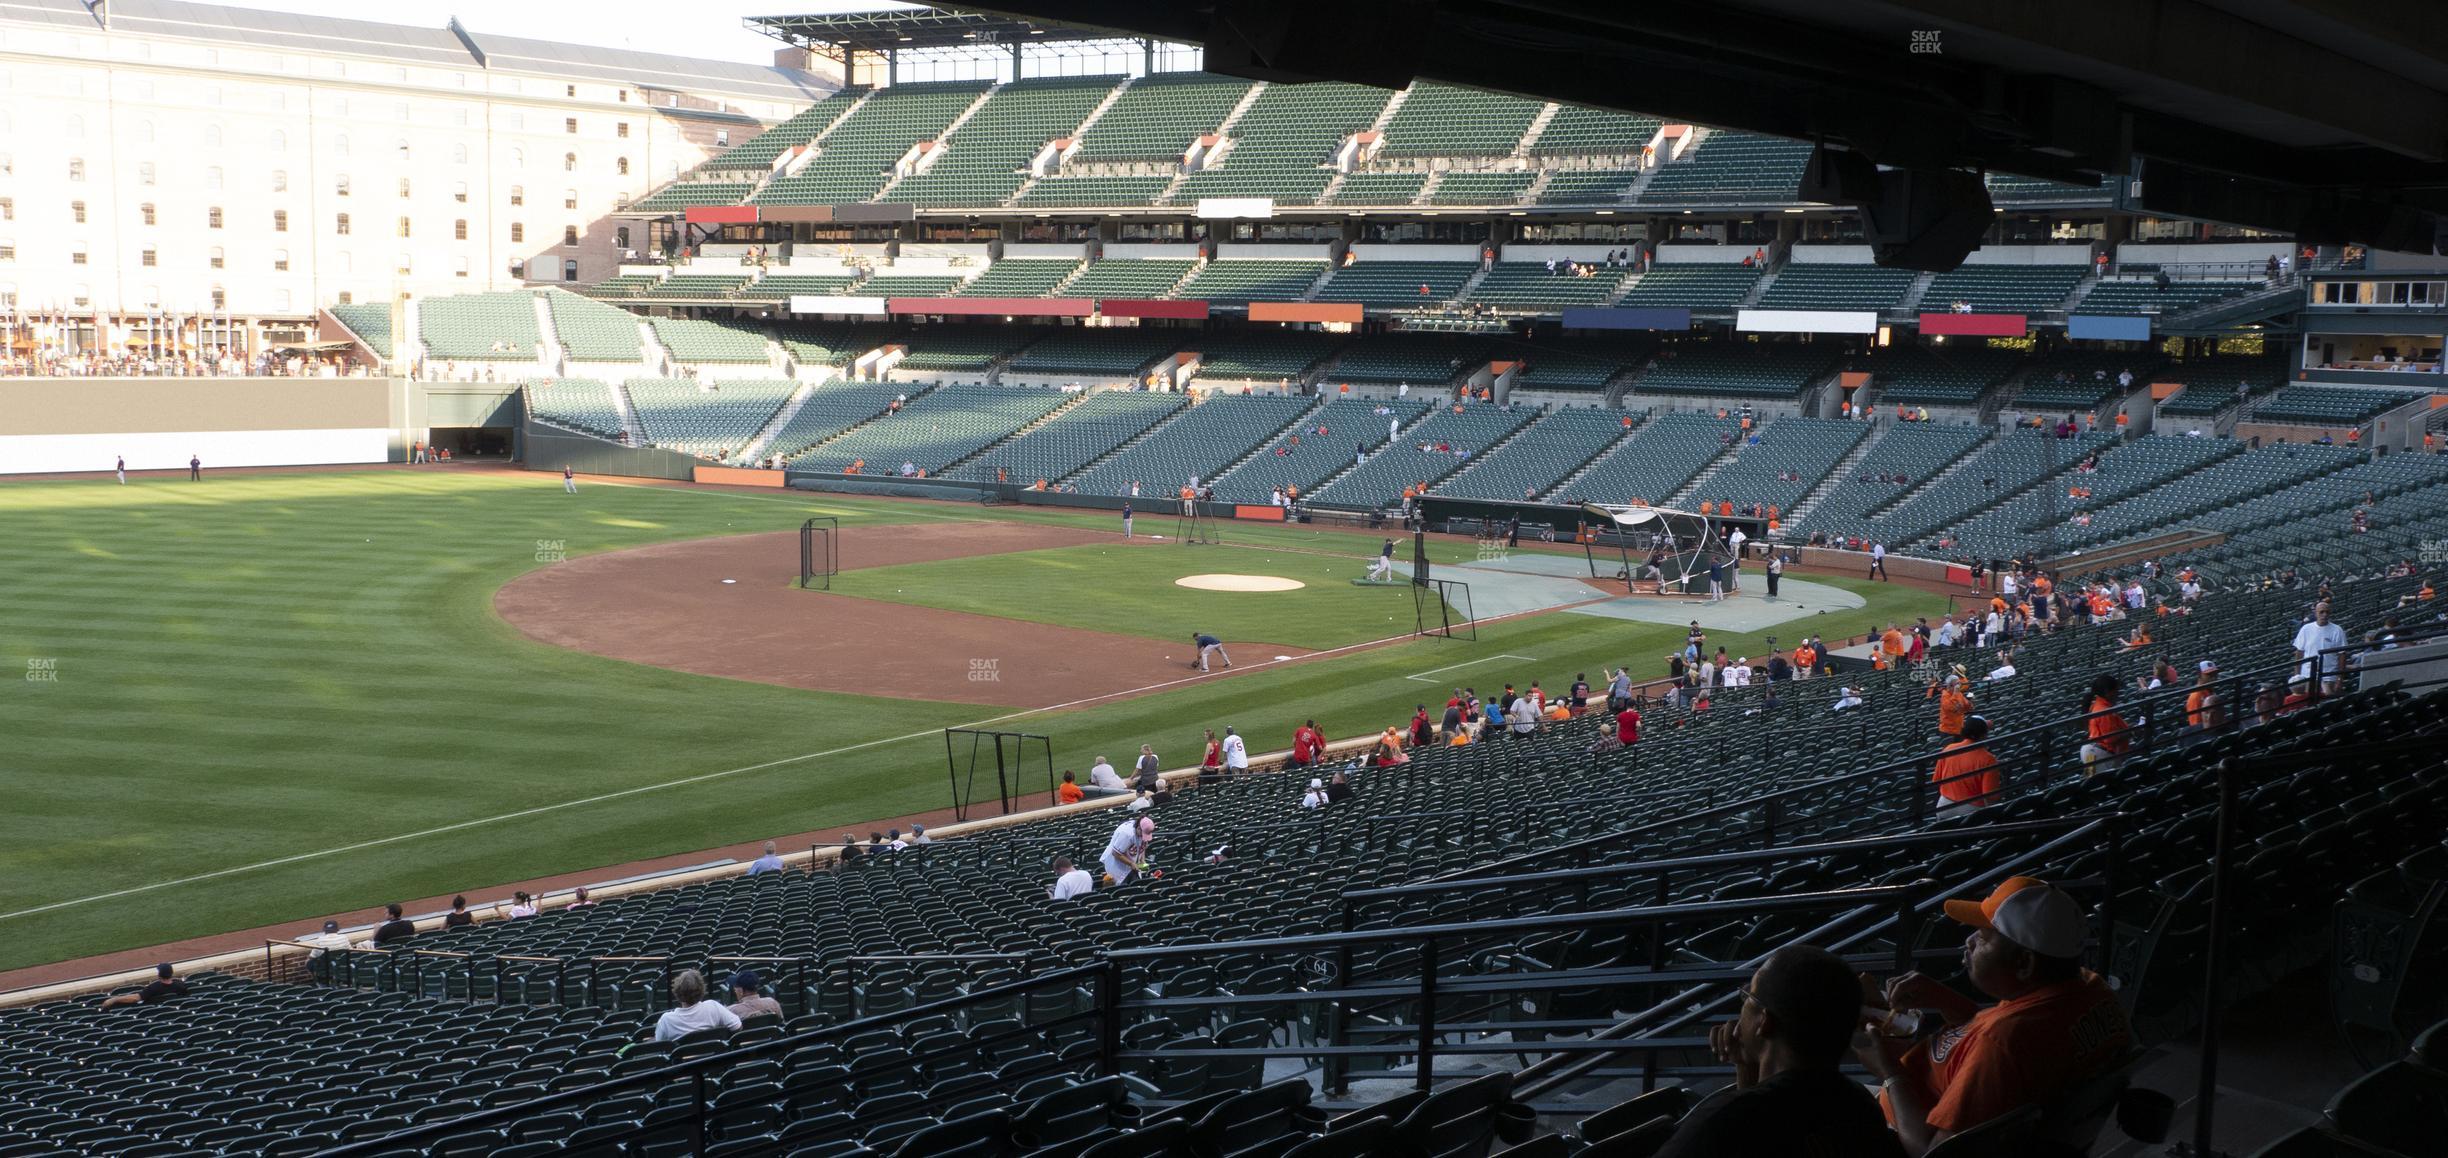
x,y
1717,285
1538,458
1438,120
1397,284
700,340
480,327
1196,443
715,420
856,158
1836,287
2003,288
590,331
1233,282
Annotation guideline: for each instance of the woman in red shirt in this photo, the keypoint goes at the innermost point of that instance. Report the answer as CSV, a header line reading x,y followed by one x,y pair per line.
x,y
1211,765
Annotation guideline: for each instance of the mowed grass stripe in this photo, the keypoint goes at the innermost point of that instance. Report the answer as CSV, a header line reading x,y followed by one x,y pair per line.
x,y
244,678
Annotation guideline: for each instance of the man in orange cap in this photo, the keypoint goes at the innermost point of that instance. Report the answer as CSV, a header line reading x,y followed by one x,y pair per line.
x,y
2055,1024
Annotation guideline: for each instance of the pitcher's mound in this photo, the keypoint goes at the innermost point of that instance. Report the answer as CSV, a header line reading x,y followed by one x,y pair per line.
x,y
1239,583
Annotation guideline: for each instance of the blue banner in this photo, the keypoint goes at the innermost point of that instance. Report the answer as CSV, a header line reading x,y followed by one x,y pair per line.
x,y
1604,319
2108,329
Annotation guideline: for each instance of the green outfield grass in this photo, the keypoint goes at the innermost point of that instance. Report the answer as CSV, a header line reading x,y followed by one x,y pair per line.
x,y
1130,590
261,699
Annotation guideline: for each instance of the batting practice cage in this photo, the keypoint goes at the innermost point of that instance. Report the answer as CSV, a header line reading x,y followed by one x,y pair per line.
x,y
1012,755
1684,542
819,552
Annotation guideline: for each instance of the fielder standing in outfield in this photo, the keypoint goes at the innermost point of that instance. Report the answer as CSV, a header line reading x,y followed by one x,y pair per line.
x,y
569,479
1382,570
122,469
195,468
1126,520
1207,643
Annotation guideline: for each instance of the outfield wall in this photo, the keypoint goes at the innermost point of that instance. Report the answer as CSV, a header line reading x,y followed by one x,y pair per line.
x,y
85,424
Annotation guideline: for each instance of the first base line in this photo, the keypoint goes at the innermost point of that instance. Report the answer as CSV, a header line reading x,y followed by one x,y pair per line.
x,y
1423,676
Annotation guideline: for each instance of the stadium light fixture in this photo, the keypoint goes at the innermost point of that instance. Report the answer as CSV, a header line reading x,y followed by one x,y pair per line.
x,y
1606,213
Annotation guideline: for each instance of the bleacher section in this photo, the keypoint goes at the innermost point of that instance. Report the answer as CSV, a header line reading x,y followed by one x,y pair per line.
x,y
1395,284
370,321
1581,130
779,287
1655,462
757,153
1698,286
2211,385
1128,278
627,285
578,403
1588,187
1197,444
681,195
1439,445
1584,365
2005,289
1067,192
1554,446
694,340
1282,143
1438,120
983,160
1424,362
1952,375
1075,437
2009,463
697,287
2143,296
1033,277
1348,424
1158,118
2013,527
836,345
1732,168
1836,287
1780,370
1372,188
858,155
714,421
2236,480
909,285
830,409
1912,451
936,429
1801,449
1266,357
1527,285
2008,189
498,327
1503,188
961,349
2326,405
1097,351
1231,282
591,331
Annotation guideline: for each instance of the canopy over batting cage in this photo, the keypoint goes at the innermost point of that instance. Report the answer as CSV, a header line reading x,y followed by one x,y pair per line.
x,y
1679,544
819,551
1011,756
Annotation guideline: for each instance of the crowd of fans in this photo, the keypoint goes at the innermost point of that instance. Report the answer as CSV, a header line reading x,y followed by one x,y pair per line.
x,y
208,362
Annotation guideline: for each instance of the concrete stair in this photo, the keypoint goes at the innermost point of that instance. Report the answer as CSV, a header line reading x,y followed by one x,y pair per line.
x,y
1682,495
1844,469
943,138
781,418
1538,127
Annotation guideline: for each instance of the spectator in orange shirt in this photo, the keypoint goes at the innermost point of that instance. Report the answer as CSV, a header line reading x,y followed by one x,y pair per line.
x,y
1806,661
2055,1024
1954,705
1892,645
1966,774
2204,710
1069,791
2111,736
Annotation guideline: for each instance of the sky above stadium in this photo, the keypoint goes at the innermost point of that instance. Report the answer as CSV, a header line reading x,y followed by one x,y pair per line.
x,y
702,28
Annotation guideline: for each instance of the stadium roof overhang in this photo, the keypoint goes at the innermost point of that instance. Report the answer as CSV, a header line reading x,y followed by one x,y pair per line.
x,y
921,29
2323,118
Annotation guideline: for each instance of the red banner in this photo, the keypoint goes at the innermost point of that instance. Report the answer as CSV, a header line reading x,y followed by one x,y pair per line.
x,y
1976,325
1151,308
721,215
1264,514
